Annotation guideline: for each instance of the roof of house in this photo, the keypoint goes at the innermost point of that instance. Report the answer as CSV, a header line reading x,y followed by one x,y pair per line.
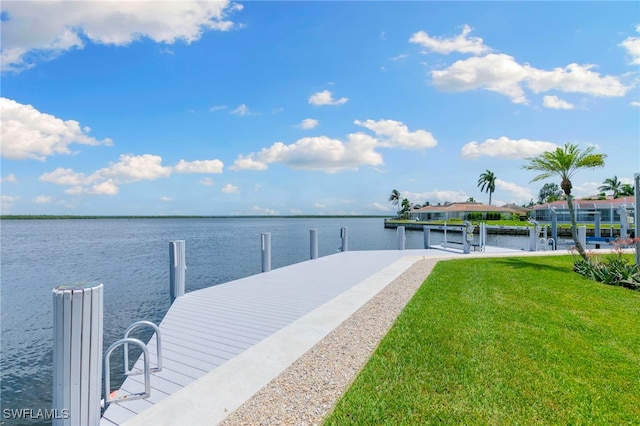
x,y
588,203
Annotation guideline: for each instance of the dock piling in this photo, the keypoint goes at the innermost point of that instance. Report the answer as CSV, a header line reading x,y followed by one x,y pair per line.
x,y
401,237
426,231
582,235
177,269
266,251
313,243
77,353
344,234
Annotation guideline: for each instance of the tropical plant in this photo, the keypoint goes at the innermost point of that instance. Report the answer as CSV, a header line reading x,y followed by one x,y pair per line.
x,y
404,211
613,185
394,198
565,162
487,183
627,190
614,269
549,192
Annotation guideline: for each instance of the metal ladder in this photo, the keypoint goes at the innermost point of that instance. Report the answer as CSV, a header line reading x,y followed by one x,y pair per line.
x,y
147,370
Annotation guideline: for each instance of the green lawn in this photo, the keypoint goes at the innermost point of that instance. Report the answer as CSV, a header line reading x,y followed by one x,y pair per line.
x,y
504,341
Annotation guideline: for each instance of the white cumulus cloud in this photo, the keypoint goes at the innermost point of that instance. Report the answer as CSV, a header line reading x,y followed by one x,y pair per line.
x,y
394,134
555,102
504,147
264,211
7,202
230,189
332,155
10,178
199,166
316,153
326,98
380,207
501,73
435,196
495,72
30,134
308,123
44,199
632,46
515,192
33,31
575,78
130,168
461,43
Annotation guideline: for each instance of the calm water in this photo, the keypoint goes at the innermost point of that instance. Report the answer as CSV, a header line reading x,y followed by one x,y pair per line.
x,y
131,259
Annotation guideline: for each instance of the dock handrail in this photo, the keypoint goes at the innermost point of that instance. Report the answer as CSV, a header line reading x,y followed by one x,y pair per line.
x,y
107,373
130,372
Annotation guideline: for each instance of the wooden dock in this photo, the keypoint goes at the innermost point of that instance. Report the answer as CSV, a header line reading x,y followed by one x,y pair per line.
x,y
221,344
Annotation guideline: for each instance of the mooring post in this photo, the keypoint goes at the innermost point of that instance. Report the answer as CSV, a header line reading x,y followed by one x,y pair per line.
x,y
401,238
77,354
467,235
596,231
177,269
582,236
426,231
624,221
554,224
266,251
344,234
313,243
534,232
444,244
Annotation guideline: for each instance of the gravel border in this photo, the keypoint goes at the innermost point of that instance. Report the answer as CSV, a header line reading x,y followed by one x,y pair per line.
x,y
307,391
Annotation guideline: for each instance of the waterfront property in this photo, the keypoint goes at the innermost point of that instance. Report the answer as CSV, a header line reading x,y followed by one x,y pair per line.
x,y
609,210
460,211
615,212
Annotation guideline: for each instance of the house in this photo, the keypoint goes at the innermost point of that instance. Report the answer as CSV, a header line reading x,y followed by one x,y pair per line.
x,y
461,211
586,210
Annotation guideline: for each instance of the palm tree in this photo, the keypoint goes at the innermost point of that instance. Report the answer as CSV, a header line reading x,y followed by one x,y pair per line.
x,y
487,183
627,190
406,206
394,198
612,184
565,162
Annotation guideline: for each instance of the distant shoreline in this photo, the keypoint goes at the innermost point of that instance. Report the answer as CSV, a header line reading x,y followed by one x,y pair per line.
x,y
63,217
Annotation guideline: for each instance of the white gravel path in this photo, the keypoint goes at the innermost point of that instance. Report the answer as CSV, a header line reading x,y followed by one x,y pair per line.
x,y
308,390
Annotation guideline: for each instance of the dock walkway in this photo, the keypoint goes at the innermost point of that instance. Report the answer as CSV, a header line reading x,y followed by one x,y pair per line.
x,y
222,344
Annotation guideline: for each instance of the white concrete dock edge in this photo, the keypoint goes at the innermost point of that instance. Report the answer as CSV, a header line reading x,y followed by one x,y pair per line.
x,y
211,398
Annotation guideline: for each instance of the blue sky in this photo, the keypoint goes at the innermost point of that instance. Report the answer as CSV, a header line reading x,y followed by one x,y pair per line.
x,y
219,108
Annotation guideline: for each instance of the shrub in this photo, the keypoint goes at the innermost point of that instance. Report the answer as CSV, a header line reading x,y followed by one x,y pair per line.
x,y
474,216
613,269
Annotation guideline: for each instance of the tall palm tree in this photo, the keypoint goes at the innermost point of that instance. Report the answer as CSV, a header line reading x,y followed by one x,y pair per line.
x,y
612,184
565,162
394,198
487,183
